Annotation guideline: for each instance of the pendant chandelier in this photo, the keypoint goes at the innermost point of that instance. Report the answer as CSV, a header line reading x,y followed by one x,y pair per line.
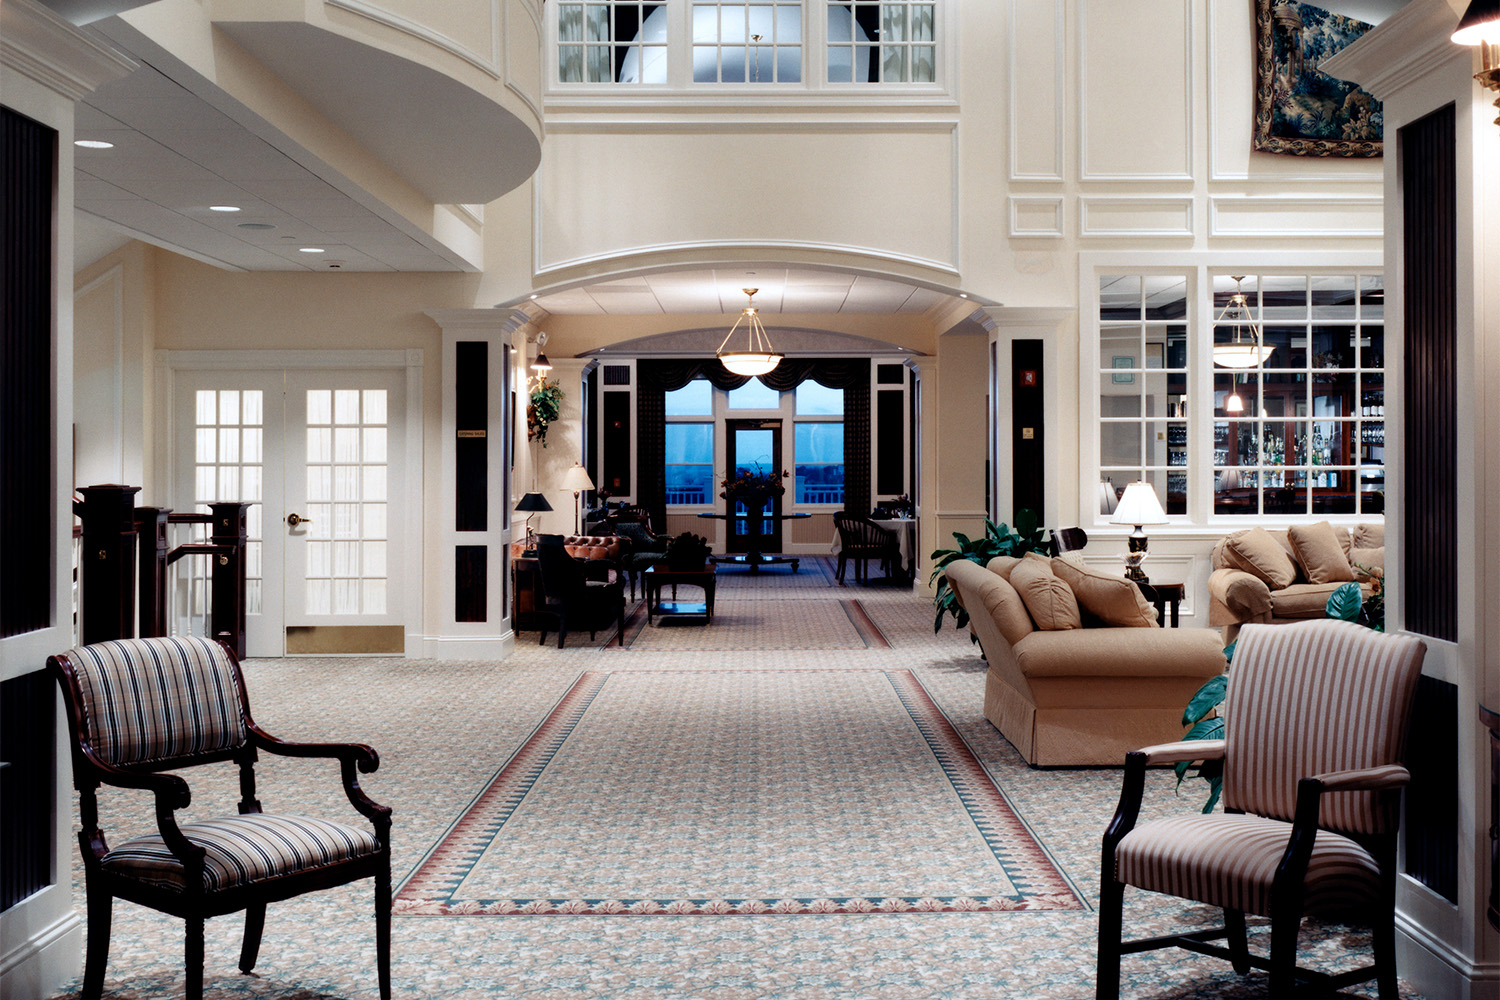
x,y
1240,352
758,357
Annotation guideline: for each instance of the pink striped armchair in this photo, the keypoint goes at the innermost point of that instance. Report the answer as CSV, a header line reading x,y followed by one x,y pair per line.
x,y
1316,719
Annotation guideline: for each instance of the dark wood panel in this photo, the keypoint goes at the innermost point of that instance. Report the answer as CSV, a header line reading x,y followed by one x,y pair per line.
x,y
27,168
890,457
470,583
27,783
615,451
1432,797
1429,554
1028,464
471,403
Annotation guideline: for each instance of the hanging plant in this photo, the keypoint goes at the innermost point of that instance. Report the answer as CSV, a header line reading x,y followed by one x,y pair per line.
x,y
545,407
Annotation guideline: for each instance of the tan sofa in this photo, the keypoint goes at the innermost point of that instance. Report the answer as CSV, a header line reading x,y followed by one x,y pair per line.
x,y
1254,581
1080,696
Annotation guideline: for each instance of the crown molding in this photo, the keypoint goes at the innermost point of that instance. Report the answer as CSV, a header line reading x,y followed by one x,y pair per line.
x,y
43,46
1401,49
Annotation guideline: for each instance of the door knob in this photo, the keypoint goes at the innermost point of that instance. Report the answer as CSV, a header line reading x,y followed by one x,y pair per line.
x,y
295,519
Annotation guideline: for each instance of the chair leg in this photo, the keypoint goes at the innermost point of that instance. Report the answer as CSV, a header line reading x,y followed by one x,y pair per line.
x,y
255,925
1284,955
1111,925
1384,934
843,560
100,905
193,958
1239,945
383,929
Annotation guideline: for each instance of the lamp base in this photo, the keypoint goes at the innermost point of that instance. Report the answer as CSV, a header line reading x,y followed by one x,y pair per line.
x,y
1136,555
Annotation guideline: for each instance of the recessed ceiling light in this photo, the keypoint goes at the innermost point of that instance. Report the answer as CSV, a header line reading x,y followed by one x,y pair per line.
x,y
255,225
93,144
963,295
223,208
533,295
310,250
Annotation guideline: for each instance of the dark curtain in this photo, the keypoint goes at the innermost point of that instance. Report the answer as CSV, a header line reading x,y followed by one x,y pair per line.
x,y
657,378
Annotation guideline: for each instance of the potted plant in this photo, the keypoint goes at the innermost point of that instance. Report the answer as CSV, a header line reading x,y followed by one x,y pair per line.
x,y
998,540
544,407
687,553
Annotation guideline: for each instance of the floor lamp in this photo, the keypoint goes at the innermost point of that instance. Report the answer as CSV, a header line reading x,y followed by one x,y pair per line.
x,y
577,479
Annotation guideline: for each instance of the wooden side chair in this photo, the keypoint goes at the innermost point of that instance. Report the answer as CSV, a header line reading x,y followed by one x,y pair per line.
x,y
1316,719
137,707
1067,540
576,601
862,539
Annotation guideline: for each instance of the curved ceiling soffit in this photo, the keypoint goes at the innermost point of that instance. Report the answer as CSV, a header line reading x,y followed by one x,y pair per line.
x,y
791,341
474,151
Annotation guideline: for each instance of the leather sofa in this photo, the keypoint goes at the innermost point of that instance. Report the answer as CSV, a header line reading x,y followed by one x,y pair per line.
x,y
1085,694
1281,576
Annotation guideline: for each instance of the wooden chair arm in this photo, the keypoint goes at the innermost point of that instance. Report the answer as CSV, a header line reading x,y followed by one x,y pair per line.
x,y
351,757
171,791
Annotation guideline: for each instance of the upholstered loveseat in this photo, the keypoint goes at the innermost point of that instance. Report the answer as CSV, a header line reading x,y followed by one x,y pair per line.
x,y
1288,575
1098,678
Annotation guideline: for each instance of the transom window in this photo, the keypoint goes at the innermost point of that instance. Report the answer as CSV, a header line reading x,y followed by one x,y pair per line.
x,y
748,42
1267,393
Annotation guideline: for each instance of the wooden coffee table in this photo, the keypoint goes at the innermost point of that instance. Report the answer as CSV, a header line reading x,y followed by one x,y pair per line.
x,y
657,576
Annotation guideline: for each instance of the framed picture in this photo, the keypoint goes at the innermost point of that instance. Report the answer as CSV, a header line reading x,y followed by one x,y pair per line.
x,y
1123,378
1298,110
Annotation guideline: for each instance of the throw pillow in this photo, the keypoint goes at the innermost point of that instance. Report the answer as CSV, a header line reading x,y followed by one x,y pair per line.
x,y
1367,563
1256,552
1369,536
1320,553
1114,600
1050,601
1002,565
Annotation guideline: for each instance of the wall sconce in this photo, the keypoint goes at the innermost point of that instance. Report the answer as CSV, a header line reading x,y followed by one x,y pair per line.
x,y
541,365
1481,26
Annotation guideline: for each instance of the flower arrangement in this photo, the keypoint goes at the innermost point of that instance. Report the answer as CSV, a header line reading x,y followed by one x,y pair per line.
x,y
756,481
687,552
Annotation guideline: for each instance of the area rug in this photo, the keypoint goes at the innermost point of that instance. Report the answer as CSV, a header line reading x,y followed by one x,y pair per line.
x,y
700,793
760,625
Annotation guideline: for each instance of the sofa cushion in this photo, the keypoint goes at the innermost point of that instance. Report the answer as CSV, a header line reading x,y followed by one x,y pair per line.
x,y
1049,600
1114,600
1117,652
1302,600
989,594
1002,565
1367,563
1256,552
1369,536
1320,553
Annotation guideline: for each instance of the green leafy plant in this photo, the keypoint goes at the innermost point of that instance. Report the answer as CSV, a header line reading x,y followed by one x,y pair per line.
x,y
1348,603
1206,723
998,540
542,409
687,552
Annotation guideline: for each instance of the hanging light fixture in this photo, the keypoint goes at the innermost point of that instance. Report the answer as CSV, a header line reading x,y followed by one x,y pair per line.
x,y
1481,27
759,357
1240,352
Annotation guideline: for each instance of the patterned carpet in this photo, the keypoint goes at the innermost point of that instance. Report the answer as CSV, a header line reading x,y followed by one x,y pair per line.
x,y
447,731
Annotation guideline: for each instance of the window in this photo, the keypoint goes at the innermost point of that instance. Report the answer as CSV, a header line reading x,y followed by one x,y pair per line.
x,y
228,465
690,444
881,43
609,41
1276,407
754,395
807,44
818,441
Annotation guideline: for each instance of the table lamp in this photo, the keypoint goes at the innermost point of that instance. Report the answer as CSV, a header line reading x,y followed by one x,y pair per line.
x,y
577,479
1138,507
532,504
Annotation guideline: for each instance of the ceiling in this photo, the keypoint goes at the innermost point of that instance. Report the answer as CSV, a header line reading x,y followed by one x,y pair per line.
x,y
719,290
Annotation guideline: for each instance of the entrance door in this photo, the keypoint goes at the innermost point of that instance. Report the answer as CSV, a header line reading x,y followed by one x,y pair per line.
x,y
322,458
754,446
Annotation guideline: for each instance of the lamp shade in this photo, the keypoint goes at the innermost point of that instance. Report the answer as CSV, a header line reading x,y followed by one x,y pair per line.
x,y
1139,506
1480,23
541,364
577,479
532,503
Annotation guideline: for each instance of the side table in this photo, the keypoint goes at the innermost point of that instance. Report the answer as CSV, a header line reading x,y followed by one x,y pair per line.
x,y
1161,595
657,576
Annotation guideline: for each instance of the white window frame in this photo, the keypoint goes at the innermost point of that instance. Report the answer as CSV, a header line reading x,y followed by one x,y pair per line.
x,y
814,88
714,420
1199,270
815,418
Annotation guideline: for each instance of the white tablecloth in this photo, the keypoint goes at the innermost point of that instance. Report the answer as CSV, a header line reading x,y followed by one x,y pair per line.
x,y
905,530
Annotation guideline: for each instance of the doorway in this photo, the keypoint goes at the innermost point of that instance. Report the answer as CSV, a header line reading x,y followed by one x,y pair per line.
x,y
322,458
753,447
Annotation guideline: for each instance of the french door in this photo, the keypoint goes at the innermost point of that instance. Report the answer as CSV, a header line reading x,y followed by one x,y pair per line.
x,y
753,446
321,457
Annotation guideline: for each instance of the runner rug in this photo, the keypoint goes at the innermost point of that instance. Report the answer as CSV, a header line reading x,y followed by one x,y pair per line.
x,y
744,792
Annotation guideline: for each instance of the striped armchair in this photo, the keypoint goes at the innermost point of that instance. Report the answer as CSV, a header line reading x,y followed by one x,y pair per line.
x,y
1314,734
137,707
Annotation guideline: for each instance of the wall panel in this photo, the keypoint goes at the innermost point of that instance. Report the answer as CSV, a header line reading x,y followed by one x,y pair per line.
x,y
1136,109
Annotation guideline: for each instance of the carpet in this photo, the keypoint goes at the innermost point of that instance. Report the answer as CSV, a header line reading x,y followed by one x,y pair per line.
x,y
760,625
739,792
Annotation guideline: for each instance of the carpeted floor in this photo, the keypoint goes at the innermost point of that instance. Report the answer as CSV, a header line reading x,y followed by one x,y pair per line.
x,y
708,764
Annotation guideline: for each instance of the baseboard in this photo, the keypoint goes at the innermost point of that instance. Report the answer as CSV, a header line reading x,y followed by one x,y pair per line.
x,y
460,647
36,967
1435,969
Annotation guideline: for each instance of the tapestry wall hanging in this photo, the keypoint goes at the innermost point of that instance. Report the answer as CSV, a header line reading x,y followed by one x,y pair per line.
x,y
1298,110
